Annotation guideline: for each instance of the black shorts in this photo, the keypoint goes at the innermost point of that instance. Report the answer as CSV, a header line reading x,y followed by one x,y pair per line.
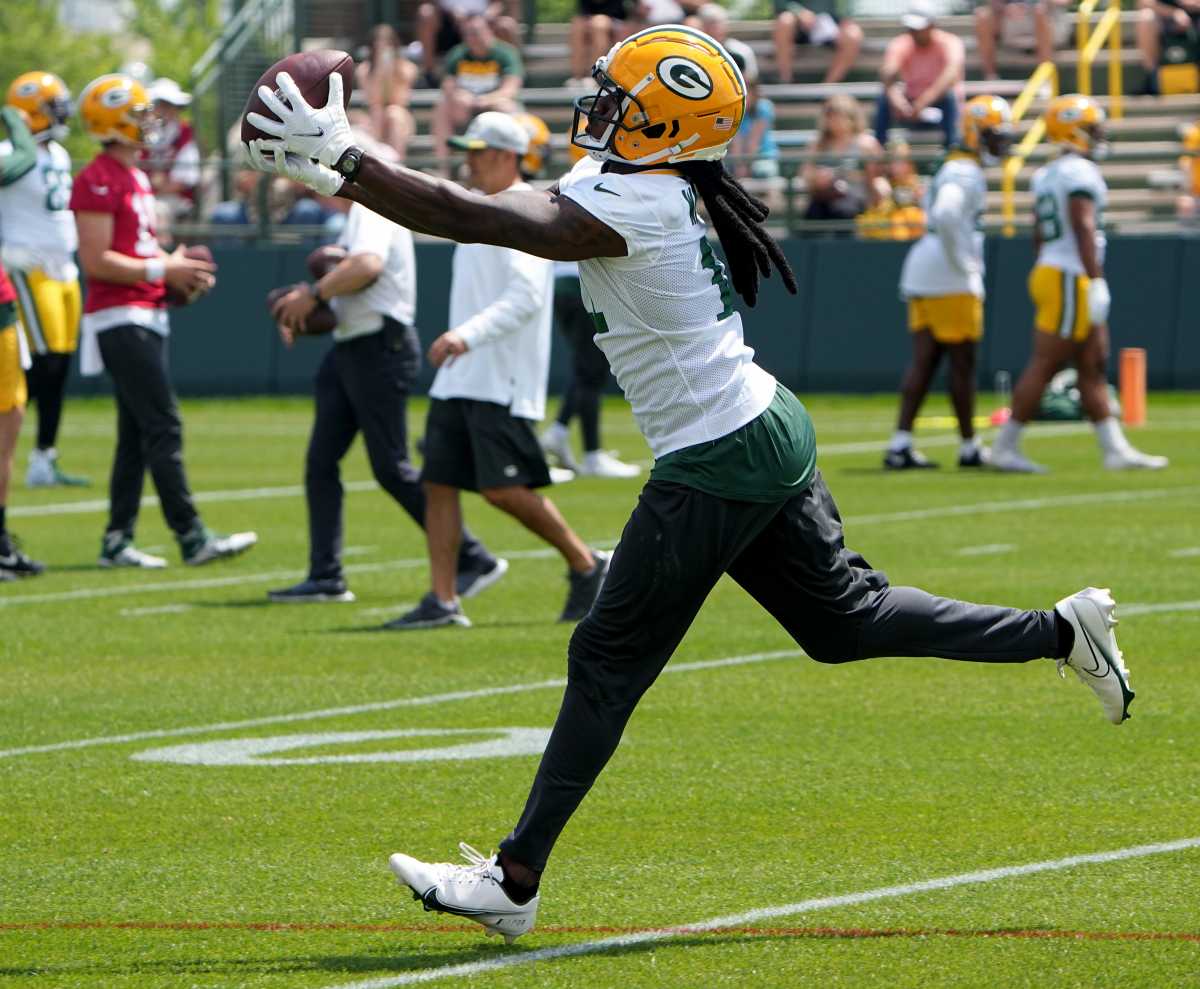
x,y
448,34
609,8
474,445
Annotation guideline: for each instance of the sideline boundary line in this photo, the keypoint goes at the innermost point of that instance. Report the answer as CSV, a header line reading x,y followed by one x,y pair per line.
x,y
657,935
425,700
971,508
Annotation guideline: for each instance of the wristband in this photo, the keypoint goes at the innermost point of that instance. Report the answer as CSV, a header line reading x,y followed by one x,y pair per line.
x,y
315,288
156,270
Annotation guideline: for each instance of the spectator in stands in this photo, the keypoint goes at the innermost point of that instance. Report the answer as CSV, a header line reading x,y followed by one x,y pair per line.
x,y
897,213
595,28
844,174
714,21
1039,25
1169,27
172,162
921,73
648,13
441,27
1188,204
809,25
754,150
481,74
386,78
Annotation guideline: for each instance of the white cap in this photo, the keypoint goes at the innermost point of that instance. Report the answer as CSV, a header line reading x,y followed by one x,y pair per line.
x,y
920,15
494,129
166,90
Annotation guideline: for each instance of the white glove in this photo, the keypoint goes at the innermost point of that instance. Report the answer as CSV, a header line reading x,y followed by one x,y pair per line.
x,y
270,157
322,134
975,283
1099,301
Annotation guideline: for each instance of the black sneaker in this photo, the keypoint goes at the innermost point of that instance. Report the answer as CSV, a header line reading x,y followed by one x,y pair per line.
x,y
430,613
907,459
15,563
201,545
981,456
585,588
468,583
310,591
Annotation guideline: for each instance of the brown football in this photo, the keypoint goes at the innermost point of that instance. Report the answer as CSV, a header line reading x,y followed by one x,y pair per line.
x,y
320,320
324,259
197,252
311,70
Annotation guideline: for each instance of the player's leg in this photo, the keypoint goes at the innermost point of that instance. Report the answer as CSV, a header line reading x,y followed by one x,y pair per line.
x,y
13,395
840,609
591,374
926,355
1091,363
334,428
674,548
556,438
962,397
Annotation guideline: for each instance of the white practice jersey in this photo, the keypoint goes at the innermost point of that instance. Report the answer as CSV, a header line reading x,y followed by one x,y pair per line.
x,y
36,227
1053,186
664,313
948,259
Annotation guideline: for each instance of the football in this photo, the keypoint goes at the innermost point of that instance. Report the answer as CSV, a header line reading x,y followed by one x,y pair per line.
x,y
311,70
320,320
173,298
324,259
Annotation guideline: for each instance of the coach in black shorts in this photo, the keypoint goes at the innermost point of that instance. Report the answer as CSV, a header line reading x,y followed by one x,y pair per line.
x,y
362,386
489,391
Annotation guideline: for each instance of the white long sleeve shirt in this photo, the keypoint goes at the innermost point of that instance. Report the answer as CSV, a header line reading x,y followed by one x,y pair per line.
x,y
948,259
501,305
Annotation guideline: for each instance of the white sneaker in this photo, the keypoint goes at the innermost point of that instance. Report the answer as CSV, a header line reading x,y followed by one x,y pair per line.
x,y
561,475
1013,462
40,473
556,442
1095,657
1131,459
600,463
124,554
472,891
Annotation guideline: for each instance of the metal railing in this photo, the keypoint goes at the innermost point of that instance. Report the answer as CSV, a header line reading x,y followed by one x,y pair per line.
x,y
1090,42
1045,74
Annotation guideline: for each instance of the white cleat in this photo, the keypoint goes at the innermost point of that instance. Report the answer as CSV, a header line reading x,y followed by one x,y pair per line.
x,y
556,442
1012,462
600,463
472,891
1131,459
1095,657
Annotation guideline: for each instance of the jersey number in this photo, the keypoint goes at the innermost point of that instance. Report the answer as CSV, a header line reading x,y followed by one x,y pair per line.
x,y
1049,224
714,264
58,188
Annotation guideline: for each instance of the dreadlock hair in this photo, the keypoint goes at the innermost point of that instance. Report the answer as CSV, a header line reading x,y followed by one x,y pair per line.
x,y
736,215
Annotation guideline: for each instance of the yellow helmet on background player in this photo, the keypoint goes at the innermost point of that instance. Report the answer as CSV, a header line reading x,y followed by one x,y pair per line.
x,y
1077,122
117,108
667,94
539,143
46,101
987,127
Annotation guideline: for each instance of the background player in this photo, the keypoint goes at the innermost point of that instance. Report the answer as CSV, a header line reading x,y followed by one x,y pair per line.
x,y
38,234
734,487
1070,295
125,326
942,280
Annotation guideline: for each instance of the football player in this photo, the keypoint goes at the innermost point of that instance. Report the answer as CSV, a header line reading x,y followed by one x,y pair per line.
x,y
735,486
38,233
125,325
1070,295
942,280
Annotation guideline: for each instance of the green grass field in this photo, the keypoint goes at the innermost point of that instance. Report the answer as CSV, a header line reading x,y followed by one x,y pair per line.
x,y
768,781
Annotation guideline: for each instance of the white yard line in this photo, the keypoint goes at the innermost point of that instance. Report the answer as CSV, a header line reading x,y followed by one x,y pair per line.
x,y
988,549
470,969
1185,552
162,609
971,508
427,700
1163,608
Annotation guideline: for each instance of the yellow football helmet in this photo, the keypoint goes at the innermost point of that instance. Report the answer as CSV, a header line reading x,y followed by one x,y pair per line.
x,y
987,127
117,108
46,101
667,94
1077,122
539,143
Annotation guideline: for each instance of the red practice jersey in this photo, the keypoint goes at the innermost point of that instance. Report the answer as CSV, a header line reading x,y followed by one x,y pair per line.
x,y
107,186
7,292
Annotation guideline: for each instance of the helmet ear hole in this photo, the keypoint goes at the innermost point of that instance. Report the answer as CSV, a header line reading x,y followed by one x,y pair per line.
x,y
655,131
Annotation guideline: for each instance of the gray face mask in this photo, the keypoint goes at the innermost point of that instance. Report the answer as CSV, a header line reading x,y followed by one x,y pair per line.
x,y
1100,150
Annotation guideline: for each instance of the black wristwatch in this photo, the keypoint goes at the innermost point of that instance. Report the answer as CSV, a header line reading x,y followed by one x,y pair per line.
x,y
348,165
315,288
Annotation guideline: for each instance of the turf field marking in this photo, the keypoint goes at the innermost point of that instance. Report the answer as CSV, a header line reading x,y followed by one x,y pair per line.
x,y
988,549
1186,551
426,700
388,611
734,921
359,550
162,609
1162,608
